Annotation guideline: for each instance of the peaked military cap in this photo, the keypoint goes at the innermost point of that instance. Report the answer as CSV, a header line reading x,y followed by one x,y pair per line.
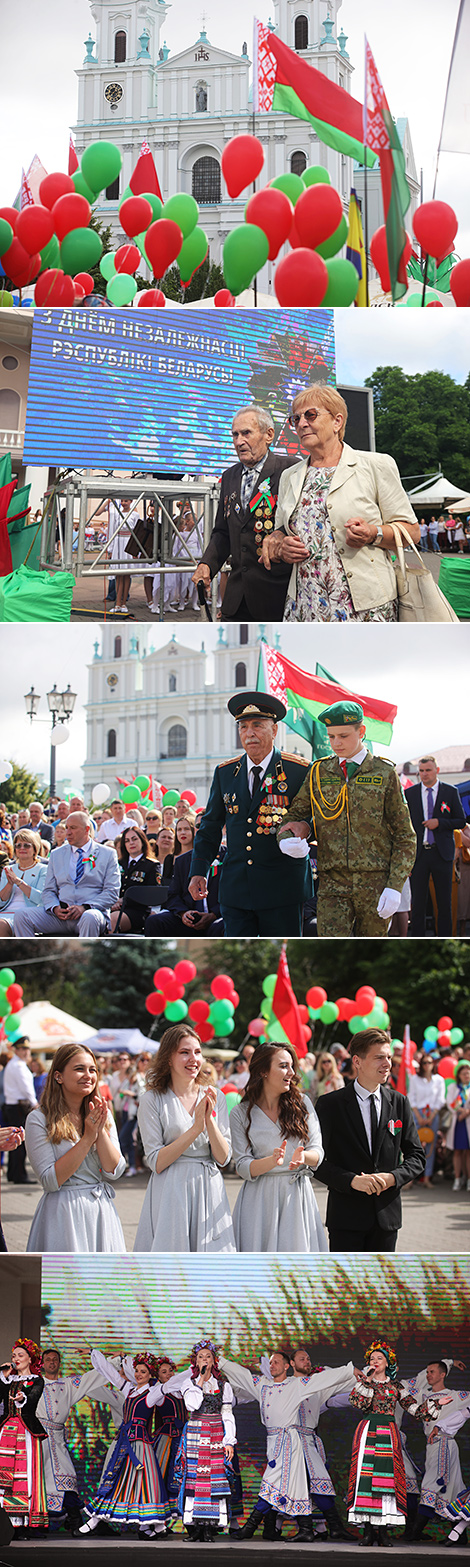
x,y
256,704
341,713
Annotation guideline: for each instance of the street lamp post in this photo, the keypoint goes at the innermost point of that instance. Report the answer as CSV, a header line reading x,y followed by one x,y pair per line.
x,y
61,705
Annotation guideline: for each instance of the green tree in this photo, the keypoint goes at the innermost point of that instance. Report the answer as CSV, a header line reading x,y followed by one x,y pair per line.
x,y
106,236
21,788
206,282
423,421
117,978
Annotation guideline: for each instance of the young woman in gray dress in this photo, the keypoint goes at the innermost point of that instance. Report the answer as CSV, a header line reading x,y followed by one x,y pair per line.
x,y
276,1145
72,1143
185,1132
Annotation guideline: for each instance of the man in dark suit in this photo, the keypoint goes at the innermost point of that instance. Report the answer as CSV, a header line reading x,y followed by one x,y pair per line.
x,y
372,1149
245,517
435,810
261,892
184,915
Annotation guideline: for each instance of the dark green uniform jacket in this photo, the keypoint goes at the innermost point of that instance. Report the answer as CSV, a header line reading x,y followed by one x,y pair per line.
x,y
254,874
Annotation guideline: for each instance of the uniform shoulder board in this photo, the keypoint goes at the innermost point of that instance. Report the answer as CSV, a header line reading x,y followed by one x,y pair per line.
x,y
230,761
387,760
288,756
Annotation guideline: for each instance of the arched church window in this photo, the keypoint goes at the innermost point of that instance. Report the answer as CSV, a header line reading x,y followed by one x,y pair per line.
x,y
298,163
120,48
112,191
9,409
301,32
206,181
111,742
172,683
201,98
243,636
240,674
177,740
118,647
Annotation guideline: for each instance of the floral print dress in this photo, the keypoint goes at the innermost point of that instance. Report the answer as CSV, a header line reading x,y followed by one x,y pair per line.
x,y
322,585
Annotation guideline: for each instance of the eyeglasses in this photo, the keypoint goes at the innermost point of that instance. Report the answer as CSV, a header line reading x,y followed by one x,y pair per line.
x,y
310,414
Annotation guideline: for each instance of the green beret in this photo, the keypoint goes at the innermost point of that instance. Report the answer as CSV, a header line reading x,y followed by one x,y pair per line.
x,y
341,713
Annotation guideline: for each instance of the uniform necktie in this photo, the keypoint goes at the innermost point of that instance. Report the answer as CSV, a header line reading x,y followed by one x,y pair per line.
x,y
374,1125
430,795
348,769
249,478
80,868
255,778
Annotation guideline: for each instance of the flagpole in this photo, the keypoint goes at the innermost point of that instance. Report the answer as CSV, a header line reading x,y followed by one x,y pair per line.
x,y
454,48
366,226
255,279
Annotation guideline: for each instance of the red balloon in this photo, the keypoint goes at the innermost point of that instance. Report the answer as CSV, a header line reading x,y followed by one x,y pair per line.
x,y
34,228
365,1000
185,971
153,297
155,1003
127,258
222,987
242,161
14,992
272,211
15,259
54,288
86,281
304,1013
163,242
70,212
434,304
135,215
199,1011
316,997
444,1024
379,254
301,278
346,1009
79,292
223,299
256,1027
307,1032
206,1033
161,975
444,1041
459,282
11,216
189,796
318,213
446,1067
172,990
16,1006
295,241
53,186
435,225
235,998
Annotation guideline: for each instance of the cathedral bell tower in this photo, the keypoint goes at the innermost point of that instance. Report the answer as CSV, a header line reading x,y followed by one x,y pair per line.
x,y
117,79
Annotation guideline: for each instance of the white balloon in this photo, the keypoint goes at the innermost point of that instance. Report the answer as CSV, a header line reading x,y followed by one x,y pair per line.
x,y
60,734
100,794
5,771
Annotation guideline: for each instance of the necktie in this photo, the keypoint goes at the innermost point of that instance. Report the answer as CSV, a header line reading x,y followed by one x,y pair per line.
x,y
255,778
80,868
348,769
249,478
431,838
374,1125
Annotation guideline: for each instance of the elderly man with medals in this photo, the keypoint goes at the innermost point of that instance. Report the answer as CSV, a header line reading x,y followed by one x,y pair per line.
x,y
245,518
261,893
361,824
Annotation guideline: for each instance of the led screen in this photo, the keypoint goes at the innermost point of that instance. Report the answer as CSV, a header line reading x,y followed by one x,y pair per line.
x,y
156,390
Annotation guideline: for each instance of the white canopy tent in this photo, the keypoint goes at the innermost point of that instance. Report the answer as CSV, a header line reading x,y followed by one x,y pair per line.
x,y
460,506
47,1027
440,493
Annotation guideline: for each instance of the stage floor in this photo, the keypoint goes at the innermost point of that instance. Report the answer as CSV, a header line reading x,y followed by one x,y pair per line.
x,y
103,1552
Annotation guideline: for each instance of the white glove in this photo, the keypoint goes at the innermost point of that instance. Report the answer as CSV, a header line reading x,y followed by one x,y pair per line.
x,y
296,848
388,903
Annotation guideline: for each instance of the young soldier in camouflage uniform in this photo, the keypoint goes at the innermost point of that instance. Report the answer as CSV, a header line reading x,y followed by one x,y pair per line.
x,y
366,844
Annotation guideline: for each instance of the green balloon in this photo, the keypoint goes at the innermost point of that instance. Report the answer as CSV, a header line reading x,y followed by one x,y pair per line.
x,y
266,1010
343,282
4,1005
130,794
291,184
231,1100
155,203
414,301
107,265
245,251
101,164
11,1024
171,797
139,239
121,289
82,188
50,255
182,210
269,984
219,1013
316,175
6,235
329,1012
175,1011
127,193
456,1036
329,247
80,250
7,977
224,1027
356,1025
142,783
432,1034
192,254
5,298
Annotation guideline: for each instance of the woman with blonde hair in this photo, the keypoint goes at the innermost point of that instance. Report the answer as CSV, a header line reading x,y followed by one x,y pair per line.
x,y
329,1078
276,1145
22,879
72,1144
184,1127
333,519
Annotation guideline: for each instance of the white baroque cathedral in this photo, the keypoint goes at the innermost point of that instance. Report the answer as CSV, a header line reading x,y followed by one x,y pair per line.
x,y
189,105
156,711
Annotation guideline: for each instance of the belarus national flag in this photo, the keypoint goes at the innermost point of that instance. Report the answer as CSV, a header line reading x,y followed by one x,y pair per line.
x,y
286,1007
285,84
381,135
144,179
310,694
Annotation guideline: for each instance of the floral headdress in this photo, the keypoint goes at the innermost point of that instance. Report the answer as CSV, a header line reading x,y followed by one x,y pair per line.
x,y
165,1360
32,1350
150,1361
204,1343
384,1349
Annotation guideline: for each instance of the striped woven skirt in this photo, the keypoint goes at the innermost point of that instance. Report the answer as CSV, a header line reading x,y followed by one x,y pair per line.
x,y
22,1489
377,1484
138,1495
200,1472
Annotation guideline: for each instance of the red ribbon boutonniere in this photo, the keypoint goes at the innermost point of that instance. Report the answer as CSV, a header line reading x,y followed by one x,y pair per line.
x,y
445,807
394,1127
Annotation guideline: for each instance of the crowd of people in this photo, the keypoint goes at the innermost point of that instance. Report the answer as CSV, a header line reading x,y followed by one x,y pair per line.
x,y
444,535
278,1125
174,1455
280,848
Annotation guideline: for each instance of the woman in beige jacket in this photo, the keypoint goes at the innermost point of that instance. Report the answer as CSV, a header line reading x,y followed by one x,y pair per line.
x,y
332,520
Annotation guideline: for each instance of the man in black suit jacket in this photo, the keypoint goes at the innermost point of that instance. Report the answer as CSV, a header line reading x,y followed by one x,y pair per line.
x,y
435,810
174,920
372,1149
245,517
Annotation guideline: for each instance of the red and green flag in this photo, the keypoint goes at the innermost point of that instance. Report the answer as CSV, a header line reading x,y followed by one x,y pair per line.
x,y
306,695
381,136
286,1007
285,84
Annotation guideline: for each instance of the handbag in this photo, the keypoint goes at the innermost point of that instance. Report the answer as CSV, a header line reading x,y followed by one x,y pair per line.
x,y
419,597
140,540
